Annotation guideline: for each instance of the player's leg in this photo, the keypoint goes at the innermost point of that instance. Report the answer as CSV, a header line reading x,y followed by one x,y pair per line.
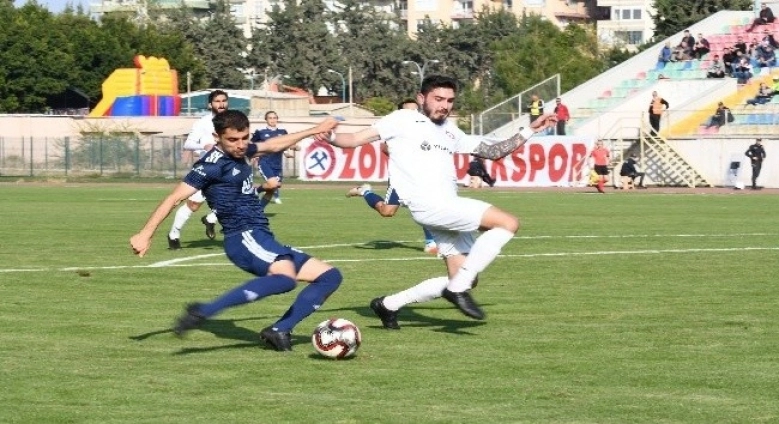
x,y
277,192
267,173
323,280
453,246
430,244
183,213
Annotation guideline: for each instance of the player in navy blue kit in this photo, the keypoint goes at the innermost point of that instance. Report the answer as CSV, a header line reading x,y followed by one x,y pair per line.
x,y
270,165
225,177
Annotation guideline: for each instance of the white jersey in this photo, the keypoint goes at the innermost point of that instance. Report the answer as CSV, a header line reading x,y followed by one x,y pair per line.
x,y
202,134
421,163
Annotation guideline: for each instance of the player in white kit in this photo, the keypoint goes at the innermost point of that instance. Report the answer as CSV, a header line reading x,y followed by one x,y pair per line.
x,y
199,141
421,168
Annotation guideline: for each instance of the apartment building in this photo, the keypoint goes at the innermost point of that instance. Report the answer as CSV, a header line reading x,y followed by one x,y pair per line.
x,y
625,23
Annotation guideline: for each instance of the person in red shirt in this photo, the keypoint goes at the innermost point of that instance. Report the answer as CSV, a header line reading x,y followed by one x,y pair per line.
x,y
600,157
563,116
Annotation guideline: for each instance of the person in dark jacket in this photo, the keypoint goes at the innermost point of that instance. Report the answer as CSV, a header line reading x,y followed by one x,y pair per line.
x,y
630,171
756,153
765,16
476,168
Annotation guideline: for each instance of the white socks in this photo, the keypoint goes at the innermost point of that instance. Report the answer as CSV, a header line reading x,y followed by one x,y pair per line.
x,y
182,216
486,248
211,218
427,290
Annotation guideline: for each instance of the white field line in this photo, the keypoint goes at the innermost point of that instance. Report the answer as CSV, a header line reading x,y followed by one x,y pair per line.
x,y
178,262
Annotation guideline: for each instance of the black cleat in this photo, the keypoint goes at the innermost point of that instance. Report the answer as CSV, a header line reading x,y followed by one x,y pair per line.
x,y
464,302
278,340
210,228
389,319
191,319
174,244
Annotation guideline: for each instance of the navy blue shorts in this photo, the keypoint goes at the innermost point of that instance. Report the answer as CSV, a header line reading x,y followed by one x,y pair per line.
x,y
268,172
254,251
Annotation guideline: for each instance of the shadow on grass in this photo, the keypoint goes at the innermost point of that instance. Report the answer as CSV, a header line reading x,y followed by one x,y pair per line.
x,y
409,317
387,244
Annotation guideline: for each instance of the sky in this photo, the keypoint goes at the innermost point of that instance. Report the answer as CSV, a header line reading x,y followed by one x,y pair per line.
x,y
56,6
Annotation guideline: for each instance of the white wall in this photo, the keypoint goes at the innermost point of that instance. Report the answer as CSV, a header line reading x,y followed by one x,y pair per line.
x,y
712,158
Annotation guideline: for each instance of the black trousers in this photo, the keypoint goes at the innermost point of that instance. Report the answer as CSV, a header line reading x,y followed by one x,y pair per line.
x,y
756,166
560,127
654,122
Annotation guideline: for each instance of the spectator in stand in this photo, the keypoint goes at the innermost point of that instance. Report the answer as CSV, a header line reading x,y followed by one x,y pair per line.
x,y
656,111
688,39
535,107
716,69
766,56
765,16
629,172
752,49
729,58
701,47
721,116
769,37
740,47
682,52
764,94
664,57
563,115
742,70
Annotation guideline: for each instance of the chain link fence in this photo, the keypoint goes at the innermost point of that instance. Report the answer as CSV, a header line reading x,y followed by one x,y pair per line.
x,y
126,154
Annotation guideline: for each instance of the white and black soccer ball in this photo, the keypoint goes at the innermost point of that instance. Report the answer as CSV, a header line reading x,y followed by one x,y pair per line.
x,y
336,338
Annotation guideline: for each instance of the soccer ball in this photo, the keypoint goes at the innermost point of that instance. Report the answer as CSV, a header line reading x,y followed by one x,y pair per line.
x,y
336,338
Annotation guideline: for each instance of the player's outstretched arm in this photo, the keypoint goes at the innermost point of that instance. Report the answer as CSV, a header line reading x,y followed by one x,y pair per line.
x,y
283,142
500,149
351,140
141,241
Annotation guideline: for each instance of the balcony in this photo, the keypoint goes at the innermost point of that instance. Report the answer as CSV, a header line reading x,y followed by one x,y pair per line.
x,y
462,14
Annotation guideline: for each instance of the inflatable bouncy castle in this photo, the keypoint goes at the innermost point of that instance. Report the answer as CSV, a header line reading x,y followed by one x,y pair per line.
x,y
149,89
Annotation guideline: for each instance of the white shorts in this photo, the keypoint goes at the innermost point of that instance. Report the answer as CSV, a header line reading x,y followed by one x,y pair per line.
x,y
453,222
197,197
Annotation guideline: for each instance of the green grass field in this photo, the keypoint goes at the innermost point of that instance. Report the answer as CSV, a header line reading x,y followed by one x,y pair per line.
x,y
620,308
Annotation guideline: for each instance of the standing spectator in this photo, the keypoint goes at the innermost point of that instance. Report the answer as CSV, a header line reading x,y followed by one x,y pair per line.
x,y
657,106
630,171
563,115
271,165
743,70
721,116
535,107
701,47
599,161
765,16
664,57
764,94
716,69
729,58
756,153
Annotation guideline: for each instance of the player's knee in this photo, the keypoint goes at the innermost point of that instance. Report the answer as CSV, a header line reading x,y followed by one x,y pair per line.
x,y
193,206
511,223
330,279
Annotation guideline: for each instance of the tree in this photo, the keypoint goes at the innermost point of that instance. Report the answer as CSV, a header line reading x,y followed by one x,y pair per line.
x,y
223,49
673,16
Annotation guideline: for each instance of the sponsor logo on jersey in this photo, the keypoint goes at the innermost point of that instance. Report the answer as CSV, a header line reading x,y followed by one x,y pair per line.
x,y
236,172
199,170
248,186
425,146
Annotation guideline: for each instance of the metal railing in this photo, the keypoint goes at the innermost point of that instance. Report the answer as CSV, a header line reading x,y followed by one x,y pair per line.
x,y
513,108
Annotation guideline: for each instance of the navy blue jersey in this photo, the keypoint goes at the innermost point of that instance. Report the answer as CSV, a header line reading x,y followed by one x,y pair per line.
x,y
272,160
228,186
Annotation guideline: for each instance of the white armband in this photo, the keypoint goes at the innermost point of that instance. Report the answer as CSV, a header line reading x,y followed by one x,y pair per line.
x,y
526,133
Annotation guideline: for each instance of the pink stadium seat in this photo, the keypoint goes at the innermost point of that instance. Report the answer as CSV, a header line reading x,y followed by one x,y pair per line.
x,y
641,75
606,93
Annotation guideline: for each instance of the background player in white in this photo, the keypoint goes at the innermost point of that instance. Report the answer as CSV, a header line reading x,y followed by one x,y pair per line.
x,y
200,140
421,168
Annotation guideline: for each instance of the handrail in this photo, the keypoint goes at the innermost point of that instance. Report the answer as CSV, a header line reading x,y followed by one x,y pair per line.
x,y
518,98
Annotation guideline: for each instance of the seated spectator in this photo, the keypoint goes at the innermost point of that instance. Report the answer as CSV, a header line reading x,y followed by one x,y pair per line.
x,y
729,58
701,47
742,70
766,56
682,52
765,16
688,39
716,69
740,47
478,173
769,37
664,57
752,48
764,94
721,116
629,172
